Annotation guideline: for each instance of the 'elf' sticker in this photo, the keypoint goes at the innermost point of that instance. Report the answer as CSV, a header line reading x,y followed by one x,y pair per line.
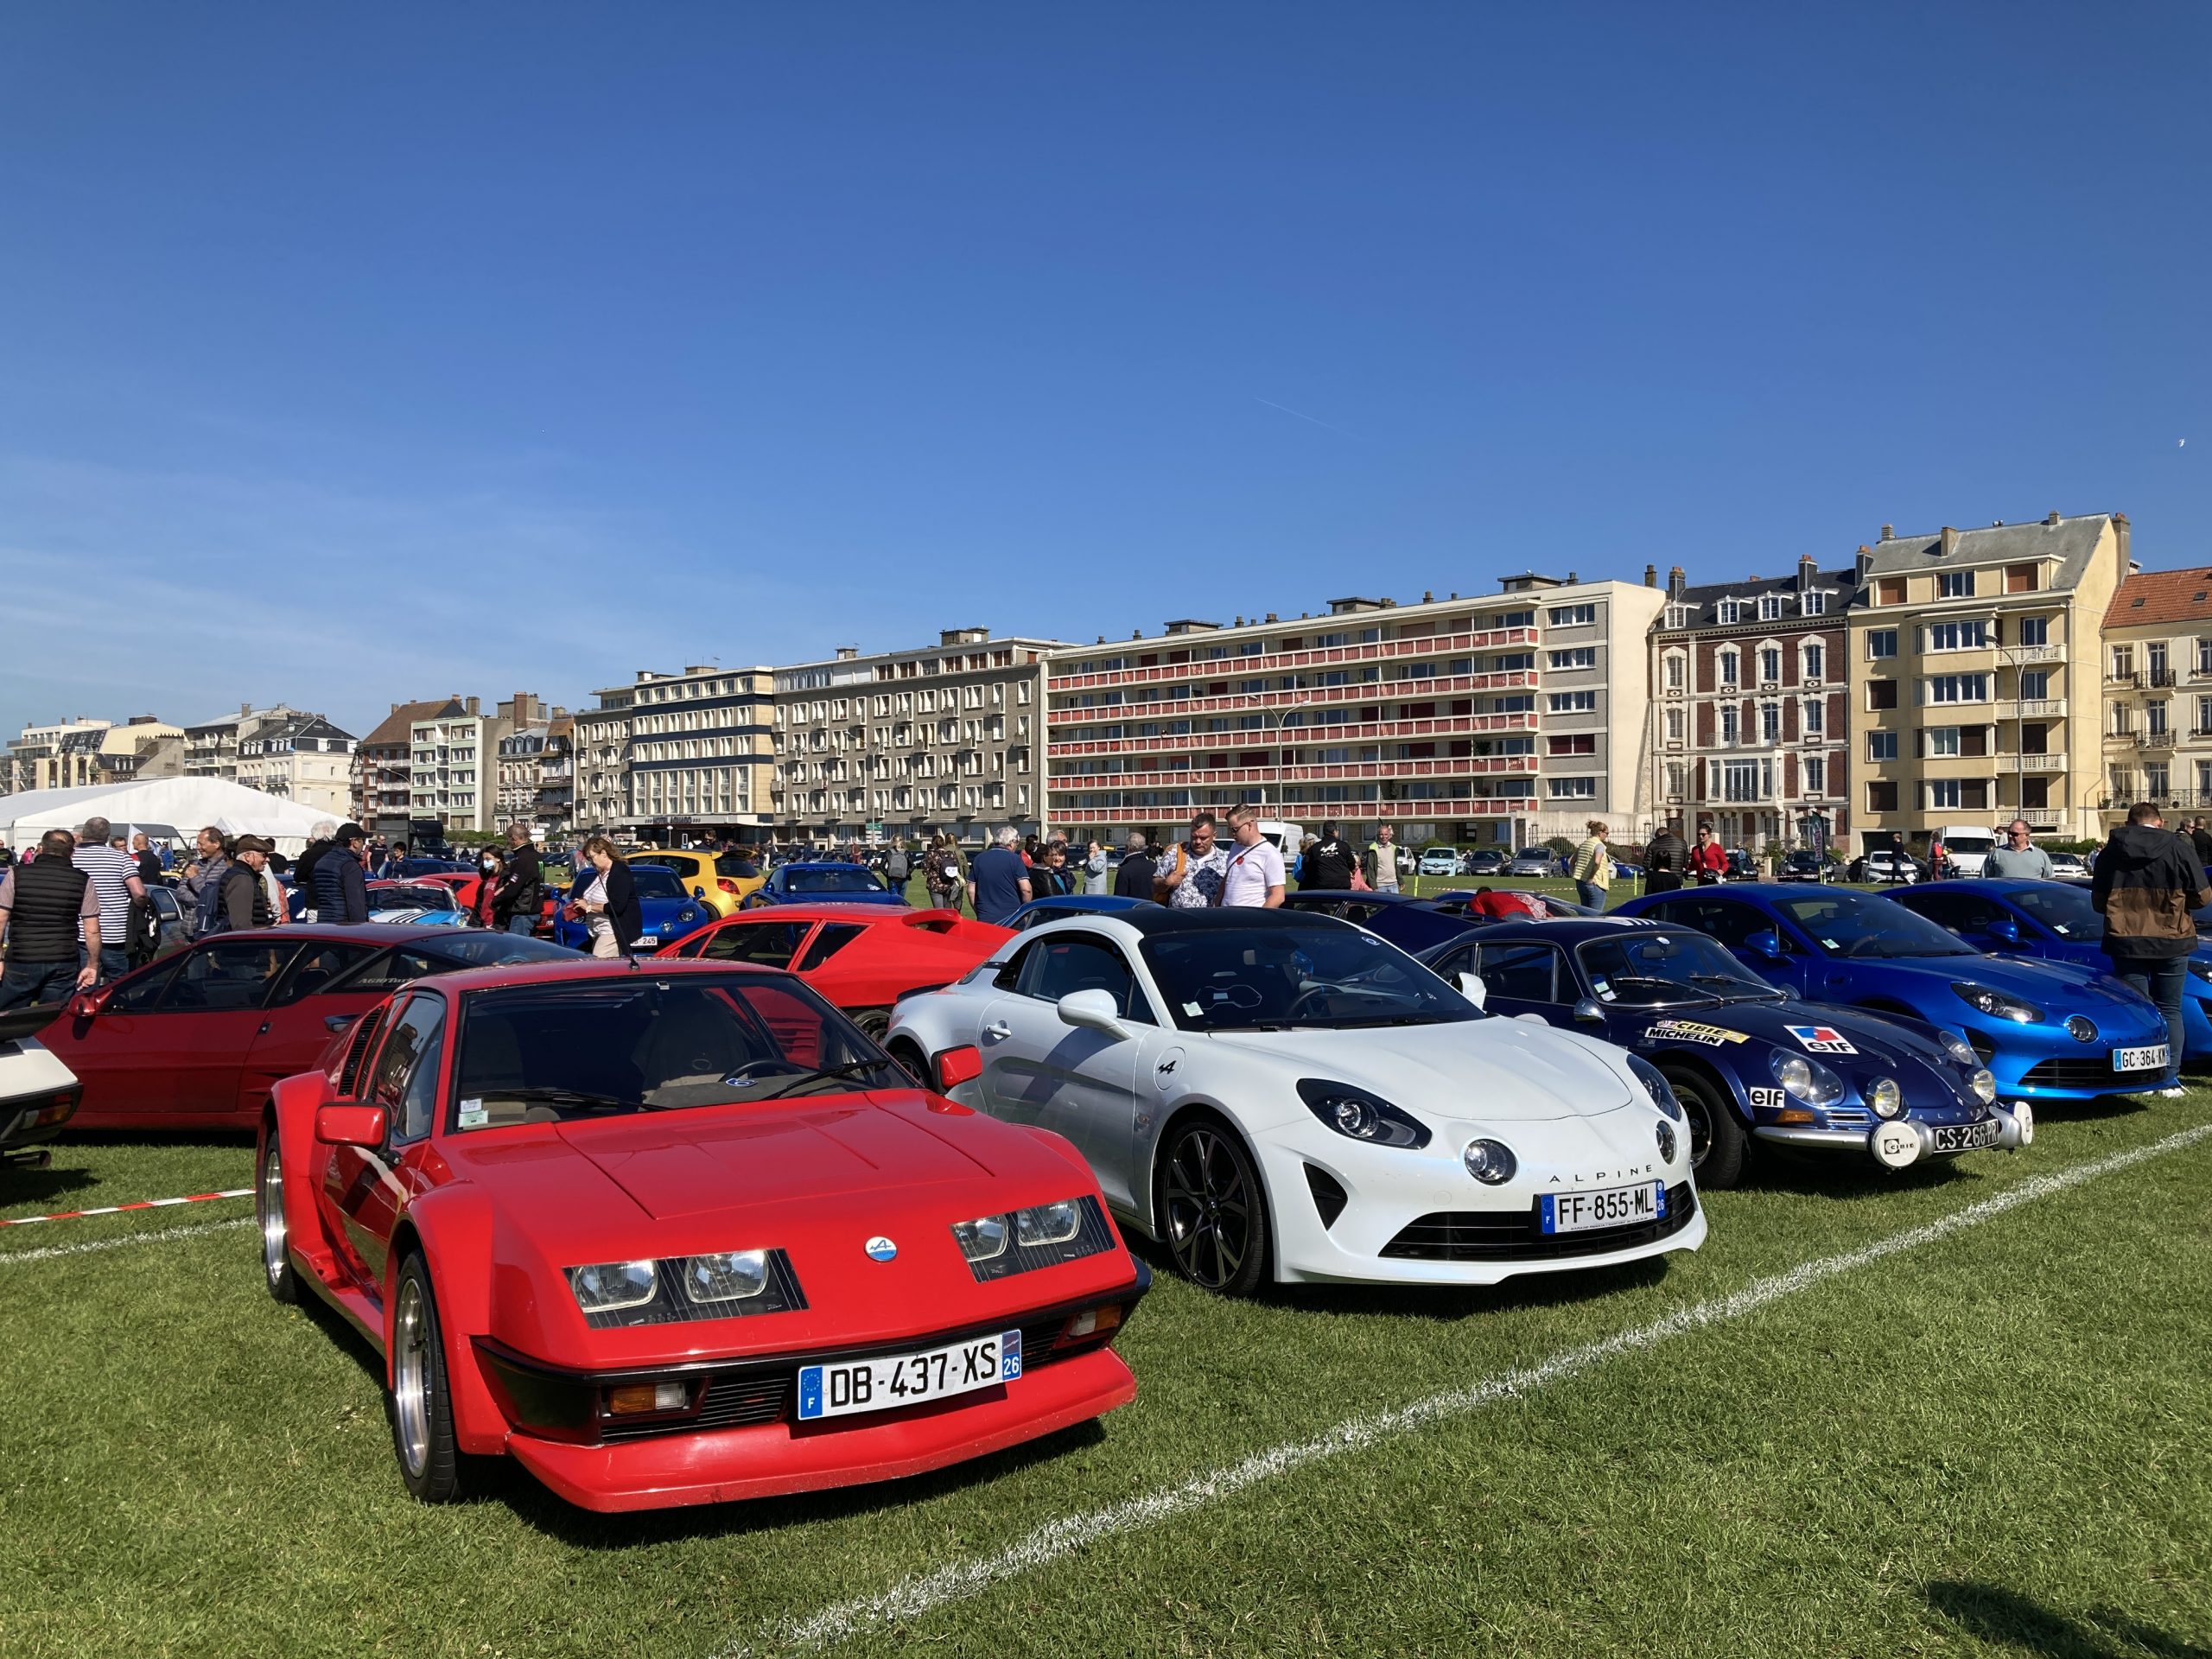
x,y
1821,1040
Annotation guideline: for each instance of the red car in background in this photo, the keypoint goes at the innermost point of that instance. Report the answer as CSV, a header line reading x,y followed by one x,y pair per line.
x,y
862,958
682,1236
197,1039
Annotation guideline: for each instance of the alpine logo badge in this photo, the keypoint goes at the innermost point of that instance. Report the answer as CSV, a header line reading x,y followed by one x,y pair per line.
x,y
1821,1040
880,1248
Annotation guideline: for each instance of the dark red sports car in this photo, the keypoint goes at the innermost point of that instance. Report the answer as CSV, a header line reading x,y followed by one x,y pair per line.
x,y
197,1039
672,1232
862,958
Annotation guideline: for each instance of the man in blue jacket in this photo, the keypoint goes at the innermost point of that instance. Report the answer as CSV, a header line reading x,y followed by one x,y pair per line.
x,y
340,895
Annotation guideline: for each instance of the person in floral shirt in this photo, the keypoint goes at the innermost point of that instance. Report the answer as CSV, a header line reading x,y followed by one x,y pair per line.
x,y
1193,874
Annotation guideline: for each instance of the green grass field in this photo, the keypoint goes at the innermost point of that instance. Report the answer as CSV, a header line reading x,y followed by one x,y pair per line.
x,y
1991,1440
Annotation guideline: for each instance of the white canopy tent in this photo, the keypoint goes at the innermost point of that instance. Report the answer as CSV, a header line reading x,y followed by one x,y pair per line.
x,y
170,809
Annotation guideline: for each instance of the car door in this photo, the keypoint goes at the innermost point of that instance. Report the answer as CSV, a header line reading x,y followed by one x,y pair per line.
x,y
366,1188
1525,976
126,1055
304,1014
216,1005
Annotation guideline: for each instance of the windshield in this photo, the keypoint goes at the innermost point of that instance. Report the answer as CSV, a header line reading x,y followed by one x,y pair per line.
x,y
429,896
1862,927
847,878
659,884
489,949
675,861
1262,979
2066,911
588,1048
1668,969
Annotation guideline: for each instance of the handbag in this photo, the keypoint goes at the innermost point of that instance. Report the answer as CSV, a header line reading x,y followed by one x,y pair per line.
x,y
1162,889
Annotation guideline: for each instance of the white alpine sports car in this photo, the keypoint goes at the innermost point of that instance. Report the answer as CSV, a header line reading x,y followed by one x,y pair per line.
x,y
37,1092
1281,1095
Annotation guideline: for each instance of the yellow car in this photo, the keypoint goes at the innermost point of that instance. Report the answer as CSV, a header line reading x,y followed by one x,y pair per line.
x,y
712,876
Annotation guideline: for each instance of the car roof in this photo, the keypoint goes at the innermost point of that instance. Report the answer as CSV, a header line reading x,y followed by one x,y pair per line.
x,y
1311,896
871,915
376,933
589,968
1149,919
824,864
1564,931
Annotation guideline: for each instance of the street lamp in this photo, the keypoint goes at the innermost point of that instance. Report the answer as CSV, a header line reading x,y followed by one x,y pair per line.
x,y
1287,709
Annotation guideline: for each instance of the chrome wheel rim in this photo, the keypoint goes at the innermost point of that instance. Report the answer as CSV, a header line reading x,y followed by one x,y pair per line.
x,y
269,1197
410,1377
1209,1209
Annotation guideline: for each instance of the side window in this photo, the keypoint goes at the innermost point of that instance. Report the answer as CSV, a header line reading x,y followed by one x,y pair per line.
x,y
765,945
1068,963
318,968
1452,963
142,992
1731,923
396,970
1522,973
1008,977
227,974
1962,912
406,1083
832,937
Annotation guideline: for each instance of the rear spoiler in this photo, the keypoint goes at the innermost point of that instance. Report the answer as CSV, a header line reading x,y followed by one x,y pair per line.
x,y
29,1021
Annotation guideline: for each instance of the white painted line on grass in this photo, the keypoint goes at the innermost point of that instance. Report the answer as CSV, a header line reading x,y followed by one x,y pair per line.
x,y
922,1593
159,1235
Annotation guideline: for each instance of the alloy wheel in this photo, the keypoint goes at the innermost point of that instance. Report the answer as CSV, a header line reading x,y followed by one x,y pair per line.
x,y
269,1199
1208,1208
410,1376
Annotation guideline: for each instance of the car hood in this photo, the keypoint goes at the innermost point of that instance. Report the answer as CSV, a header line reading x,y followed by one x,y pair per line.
x,y
2068,984
1495,1071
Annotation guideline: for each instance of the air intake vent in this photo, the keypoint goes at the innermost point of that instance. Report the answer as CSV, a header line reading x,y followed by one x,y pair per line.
x,y
1329,1197
365,1031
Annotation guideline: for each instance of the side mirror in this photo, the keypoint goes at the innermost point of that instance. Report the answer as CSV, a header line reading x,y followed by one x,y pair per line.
x,y
698,893
1472,988
2007,929
85,1004
959,1066
349,1123
1093,1011
1767,943
1586,1012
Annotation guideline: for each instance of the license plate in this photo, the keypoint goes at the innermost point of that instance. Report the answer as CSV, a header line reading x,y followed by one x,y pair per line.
x,y
1967,1137
1618,1206
2141,1060
896,1380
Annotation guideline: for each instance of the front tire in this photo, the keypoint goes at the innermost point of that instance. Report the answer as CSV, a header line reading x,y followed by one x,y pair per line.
x,y
419,1403
874,1022
914,1063
1717,1139
268,1218
1212,1208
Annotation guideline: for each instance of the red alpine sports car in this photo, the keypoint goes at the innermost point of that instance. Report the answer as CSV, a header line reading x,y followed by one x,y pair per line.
x,y
671,1232
862,958
197,1039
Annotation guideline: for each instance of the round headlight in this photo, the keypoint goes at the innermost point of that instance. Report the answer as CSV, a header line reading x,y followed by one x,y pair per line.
x,y
1490,1162
1665,1135
1793,1074
1354,1117
1984,1084
1885,1098
2081,1029
1959,1049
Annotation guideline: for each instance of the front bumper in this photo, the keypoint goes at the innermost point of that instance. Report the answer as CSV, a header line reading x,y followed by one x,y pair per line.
x,y
2042,1063
42,1094
1898,1141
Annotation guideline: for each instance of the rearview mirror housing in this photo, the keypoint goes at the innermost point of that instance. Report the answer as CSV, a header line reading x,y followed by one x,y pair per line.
x,y
1472,988
1587,1011
349,1123
959,1066
1767,943
2007,929
1093,1010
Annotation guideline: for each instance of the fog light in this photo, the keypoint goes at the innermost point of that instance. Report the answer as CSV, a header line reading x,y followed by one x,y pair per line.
x,y
1666,1139
2081,1029
1885,1098
1490,1162
639,1398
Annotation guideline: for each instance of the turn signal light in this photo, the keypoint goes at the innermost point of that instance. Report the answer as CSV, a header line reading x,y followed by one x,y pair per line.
x,y
1093,1322
637,1399
1795,1114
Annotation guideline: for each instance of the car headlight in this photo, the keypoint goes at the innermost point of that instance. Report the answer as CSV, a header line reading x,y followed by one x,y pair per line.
x,y
1656,1085
726,1276
1805,1078
1490,1162
2200,970
1356,1115
1664,1134
1984,1083
1959,1049
1997,1005
1885,1098
609,1287
1041,1237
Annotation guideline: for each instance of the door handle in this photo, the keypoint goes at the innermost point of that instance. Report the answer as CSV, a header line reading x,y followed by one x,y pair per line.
x,y
999,1031
264,1031
335,1022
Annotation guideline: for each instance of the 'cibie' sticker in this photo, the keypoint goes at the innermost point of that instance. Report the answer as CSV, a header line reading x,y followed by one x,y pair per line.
x,y
1688,1031
1821,1040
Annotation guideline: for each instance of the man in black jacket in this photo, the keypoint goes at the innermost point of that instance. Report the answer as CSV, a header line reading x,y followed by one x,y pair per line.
x,y
1665,861
1329,863
244,901
341,896
2146,884
42,903
521,892
1134,879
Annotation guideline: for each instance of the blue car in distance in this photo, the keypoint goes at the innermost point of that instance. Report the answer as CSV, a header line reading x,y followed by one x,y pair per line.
x,y
822,884
2052,921
2046,1030
1746,1060
671,911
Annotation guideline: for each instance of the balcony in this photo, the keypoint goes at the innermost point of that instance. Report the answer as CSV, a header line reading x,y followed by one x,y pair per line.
x,y
1446,811
1209,668
2152,739
2034,653
1368,731
2121,676
1275,776
2033,708
2160,677
2038,762
1247,703
2042,817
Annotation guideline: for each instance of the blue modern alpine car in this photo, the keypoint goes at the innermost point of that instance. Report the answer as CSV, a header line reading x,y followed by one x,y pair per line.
x,y
2055,922
1038,911
669,910
819,884
2046,1030
1412,925
1746,1060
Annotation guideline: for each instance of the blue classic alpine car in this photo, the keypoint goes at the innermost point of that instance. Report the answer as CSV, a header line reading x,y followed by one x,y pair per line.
x,y
821,884
1038,911
2055,922
669,910
1746,1060
2046,1030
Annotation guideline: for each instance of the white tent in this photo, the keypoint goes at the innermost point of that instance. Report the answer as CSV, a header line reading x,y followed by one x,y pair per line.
x,y
168,809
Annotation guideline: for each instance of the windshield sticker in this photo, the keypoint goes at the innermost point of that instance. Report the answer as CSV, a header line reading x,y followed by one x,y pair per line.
x,y
473,1115
1193,1010
1821,1040
1689,1031
1830,944
1604,988
1762,1098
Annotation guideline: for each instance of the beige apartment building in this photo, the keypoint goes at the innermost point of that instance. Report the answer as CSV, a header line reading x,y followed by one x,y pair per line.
x,y
304,759
2157,693
1497,721
676,758
905,745
79,753
1975,678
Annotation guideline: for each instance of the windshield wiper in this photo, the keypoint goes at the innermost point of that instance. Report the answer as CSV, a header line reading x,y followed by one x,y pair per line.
x,y
1747,990
827,1073
567,1098
1671,984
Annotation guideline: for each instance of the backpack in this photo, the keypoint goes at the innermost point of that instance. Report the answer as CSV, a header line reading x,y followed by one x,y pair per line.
x,y
142,932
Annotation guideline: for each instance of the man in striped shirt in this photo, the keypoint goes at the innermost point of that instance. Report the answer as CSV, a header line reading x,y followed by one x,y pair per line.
x,y
114,876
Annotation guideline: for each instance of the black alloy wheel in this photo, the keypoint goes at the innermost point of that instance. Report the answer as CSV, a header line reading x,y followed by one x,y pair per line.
x,y
1213,1210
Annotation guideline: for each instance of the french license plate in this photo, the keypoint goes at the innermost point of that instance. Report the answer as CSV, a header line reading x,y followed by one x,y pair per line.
x,y
1967,1137
896,1380
1618,1206
2142,1060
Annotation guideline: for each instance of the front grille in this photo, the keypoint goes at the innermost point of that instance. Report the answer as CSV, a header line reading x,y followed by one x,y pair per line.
x,y
2087,1072
1513,1235
1850,1117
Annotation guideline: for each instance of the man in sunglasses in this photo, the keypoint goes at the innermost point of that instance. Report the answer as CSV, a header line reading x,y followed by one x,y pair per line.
x,y
2017,857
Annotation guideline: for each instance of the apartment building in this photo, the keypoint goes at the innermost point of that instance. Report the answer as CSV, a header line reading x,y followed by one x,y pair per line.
x,y
526,752
453,767
2158,692
905,745
78,753
384,764
1498,721
1975,677
1750,722
303,759
674,758
211,747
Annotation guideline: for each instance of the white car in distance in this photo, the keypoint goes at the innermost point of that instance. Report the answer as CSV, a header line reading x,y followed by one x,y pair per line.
x,y
1282,1097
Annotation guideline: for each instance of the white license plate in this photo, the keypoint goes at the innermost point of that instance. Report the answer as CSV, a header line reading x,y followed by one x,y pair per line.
x,y
1616,1206
1967,1137
897,1380
2141,1060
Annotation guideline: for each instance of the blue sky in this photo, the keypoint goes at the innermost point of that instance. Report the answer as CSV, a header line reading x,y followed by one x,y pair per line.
x,y
349,354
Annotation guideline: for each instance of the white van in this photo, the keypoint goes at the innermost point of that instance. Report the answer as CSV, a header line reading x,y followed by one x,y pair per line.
x,y
1288,838
1965,847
